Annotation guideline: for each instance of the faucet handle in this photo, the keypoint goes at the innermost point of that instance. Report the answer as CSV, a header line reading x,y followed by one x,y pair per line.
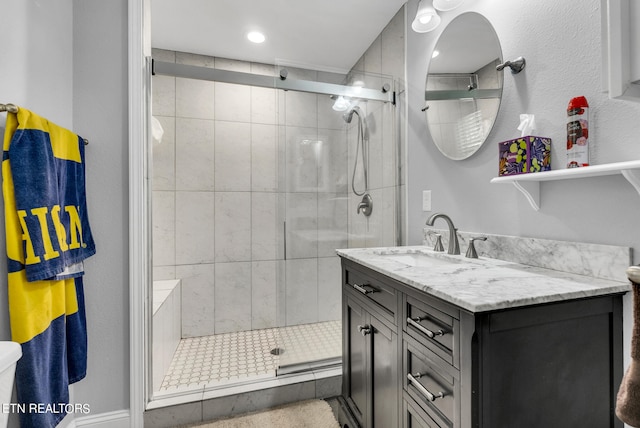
x,y
438,245
471,251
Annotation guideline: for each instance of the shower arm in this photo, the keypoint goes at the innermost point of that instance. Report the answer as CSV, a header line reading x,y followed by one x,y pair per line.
x,y
516,66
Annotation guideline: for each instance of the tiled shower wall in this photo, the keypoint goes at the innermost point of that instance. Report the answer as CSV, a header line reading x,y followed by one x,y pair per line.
x,y
385,57
235,165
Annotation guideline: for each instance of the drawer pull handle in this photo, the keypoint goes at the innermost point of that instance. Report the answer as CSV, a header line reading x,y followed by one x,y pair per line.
x,y
422,389
415,322
364,329
363,290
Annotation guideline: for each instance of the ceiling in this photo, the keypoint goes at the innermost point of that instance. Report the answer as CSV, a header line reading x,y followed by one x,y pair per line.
x,y
326,35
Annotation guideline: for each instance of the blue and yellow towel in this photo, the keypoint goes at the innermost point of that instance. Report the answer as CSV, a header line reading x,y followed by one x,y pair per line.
x,y
47,237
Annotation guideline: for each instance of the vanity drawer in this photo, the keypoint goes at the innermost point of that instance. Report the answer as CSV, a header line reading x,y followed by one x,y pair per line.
x,y
432,384
384,296
415,417
434,328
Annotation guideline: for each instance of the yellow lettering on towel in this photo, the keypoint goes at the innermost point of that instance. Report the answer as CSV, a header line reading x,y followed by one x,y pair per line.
x,y
30,257
60,230
49,252
76,227
43,214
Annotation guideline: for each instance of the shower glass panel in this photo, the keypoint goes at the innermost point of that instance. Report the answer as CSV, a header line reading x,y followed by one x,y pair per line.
x,y
329,160
253,182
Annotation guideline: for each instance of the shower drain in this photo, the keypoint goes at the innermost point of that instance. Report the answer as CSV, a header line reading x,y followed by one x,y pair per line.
x,y
277,351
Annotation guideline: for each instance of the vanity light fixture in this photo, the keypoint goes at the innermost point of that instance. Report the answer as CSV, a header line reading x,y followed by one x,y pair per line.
x,y
446,5
255,37
427,19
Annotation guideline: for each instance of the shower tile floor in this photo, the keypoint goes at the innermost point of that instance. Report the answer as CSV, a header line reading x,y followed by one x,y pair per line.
x,y
236,357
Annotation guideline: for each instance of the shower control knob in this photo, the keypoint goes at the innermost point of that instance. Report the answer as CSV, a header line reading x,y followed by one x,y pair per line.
x,y
366,206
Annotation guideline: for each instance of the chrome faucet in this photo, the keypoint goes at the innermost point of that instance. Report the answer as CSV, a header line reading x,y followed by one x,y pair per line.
x,y
454,245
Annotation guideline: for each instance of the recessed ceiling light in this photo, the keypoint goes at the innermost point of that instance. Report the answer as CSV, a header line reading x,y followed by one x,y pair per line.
x,y
255,37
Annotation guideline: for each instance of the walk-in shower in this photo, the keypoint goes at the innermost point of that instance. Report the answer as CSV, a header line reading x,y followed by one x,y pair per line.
x,y
254,188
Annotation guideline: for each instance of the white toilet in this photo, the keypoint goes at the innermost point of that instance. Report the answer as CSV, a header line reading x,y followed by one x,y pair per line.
x,y
10,353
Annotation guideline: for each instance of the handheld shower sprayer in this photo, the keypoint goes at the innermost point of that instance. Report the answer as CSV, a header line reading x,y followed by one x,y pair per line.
x,y
362,152
348,116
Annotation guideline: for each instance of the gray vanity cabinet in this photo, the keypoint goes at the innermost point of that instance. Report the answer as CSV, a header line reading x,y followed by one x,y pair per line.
x,y
426,363
557,365
370,343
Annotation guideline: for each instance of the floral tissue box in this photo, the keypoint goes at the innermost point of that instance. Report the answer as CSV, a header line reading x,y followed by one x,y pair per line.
x,y
524,154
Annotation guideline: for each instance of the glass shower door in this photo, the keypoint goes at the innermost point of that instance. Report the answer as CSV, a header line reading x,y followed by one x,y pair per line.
x,y
320,164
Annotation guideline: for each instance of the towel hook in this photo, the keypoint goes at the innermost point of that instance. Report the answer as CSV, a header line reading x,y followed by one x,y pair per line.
x,y
516,66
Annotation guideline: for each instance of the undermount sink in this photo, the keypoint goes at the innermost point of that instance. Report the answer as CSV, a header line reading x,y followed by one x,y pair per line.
x,y
415,258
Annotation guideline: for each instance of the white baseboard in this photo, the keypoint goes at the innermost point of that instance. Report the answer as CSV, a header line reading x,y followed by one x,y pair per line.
x,y
117,419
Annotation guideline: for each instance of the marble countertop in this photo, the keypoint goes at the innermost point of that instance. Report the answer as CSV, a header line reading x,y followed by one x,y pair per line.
x,y
483,284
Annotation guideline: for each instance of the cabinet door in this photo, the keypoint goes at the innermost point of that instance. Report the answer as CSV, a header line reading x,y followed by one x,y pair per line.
x,y
384,374
355,359
370,383
562,357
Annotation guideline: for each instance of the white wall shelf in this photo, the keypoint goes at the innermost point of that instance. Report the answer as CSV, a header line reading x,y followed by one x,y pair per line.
x,y
529,184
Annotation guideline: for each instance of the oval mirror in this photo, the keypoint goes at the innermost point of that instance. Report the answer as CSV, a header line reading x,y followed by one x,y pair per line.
x,y
463,87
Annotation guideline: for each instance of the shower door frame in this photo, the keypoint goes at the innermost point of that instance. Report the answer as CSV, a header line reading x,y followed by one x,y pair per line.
x,y
139,104
141,333
264,81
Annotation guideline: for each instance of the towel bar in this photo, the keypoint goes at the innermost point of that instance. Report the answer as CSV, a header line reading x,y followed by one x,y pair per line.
x,y
12,108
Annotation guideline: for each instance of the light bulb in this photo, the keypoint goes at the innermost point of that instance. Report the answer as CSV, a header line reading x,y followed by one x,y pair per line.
x,y
256,37
427,19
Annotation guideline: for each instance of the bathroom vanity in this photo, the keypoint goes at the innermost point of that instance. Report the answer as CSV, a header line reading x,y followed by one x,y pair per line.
x,y
434,340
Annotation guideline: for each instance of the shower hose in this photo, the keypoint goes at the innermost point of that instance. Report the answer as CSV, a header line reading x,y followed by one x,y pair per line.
x,y
362,149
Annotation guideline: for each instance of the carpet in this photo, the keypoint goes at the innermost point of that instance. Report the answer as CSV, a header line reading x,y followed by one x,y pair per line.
x,y
303,414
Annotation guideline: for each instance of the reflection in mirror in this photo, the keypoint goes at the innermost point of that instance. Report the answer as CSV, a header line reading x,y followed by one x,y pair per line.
x,y
463,87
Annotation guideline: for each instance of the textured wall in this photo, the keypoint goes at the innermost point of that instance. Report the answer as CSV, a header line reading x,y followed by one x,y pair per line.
x,y
563,61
